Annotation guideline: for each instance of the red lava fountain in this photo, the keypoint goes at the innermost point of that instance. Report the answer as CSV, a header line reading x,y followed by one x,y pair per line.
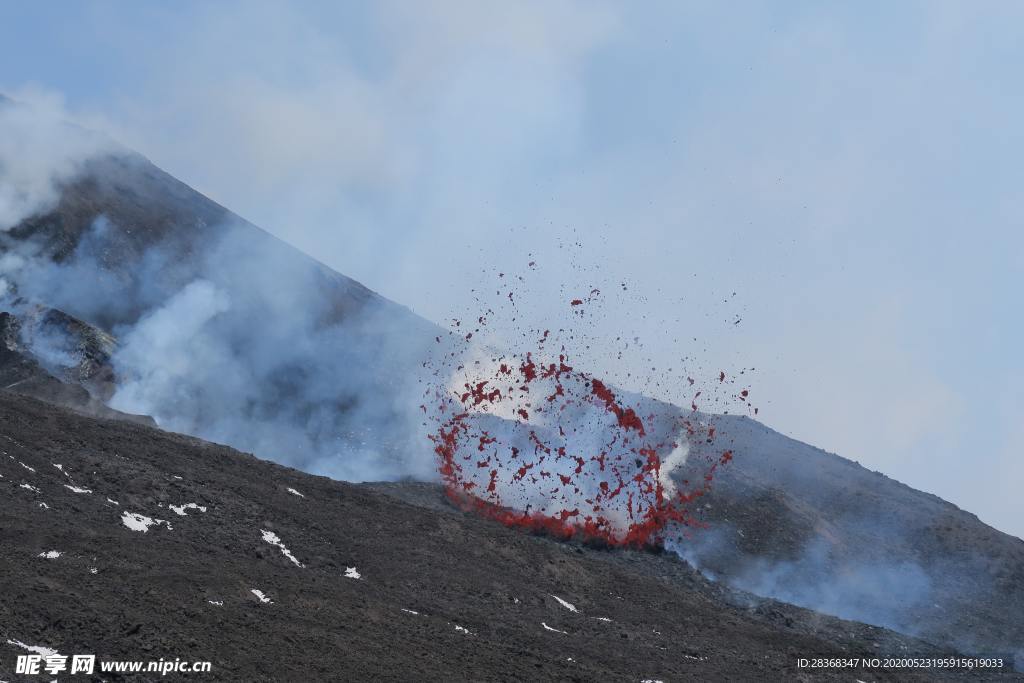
x,y
532,442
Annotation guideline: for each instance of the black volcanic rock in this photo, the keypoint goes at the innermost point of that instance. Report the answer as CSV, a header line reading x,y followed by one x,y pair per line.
x,y
21,371
440,595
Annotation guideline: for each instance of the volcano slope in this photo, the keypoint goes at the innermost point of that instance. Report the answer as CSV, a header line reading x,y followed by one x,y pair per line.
x,y
312,369
275,352
794,522
440,595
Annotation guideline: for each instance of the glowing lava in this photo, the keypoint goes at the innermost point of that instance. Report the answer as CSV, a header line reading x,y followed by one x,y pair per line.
x,y
547,448
529,441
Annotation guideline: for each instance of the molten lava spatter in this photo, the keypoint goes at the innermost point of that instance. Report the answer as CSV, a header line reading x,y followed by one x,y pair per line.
x,y
530,441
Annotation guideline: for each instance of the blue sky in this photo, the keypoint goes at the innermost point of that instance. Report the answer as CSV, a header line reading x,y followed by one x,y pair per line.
x,y
851,171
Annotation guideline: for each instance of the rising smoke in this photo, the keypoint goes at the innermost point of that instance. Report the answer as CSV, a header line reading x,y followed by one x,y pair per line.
x,y
818,578
247,344
38,151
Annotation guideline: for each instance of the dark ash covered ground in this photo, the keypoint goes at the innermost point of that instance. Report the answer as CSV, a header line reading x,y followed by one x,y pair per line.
x,y
151,594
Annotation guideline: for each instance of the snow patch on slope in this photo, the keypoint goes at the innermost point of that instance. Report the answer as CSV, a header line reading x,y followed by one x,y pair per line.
x,y
273,539
567,605
137,522
37,649
182,509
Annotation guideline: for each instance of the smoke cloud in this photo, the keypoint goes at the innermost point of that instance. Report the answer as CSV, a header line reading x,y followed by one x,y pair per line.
x,y
820,579
38,151
247,343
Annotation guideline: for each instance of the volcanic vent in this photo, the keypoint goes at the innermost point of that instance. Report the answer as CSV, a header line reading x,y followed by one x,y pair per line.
x,y
529,440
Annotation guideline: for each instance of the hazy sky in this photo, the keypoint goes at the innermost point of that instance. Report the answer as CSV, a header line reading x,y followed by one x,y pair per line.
x,y
853,172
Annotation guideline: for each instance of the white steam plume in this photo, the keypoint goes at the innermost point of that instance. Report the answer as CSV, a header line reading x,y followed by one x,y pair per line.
x,y
39,149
